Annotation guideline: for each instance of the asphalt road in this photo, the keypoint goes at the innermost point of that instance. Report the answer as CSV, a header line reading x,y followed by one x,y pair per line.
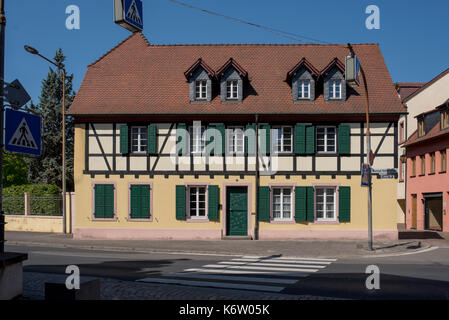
x,y
415,276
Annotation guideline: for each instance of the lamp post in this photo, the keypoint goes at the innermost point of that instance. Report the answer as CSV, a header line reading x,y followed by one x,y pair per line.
x,y
61,67
2,83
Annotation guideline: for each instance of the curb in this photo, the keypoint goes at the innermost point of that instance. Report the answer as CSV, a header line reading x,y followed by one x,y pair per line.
x,y
362,254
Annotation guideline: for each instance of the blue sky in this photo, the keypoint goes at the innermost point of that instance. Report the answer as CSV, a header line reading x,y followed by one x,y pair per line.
x,y
413,35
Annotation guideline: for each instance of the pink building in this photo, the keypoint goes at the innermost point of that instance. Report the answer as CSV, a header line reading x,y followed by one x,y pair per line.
x,y
427,182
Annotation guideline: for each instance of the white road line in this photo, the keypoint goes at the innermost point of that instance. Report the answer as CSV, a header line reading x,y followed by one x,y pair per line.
x,y
271,264
230,278
259,268
213,284
226,271
291,258
281,260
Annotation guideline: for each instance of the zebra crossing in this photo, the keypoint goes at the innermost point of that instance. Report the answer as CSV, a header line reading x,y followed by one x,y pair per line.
x,y
255,273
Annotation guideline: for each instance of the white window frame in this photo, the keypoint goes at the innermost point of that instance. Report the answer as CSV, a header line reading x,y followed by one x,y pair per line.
x,y
302,84
197,207
233,136
197,142
334,84
141,147
201,90
325,217
281,218
232,89
281,138
325,139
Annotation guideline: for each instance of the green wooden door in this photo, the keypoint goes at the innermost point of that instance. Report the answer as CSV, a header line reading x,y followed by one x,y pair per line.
x,y
237,211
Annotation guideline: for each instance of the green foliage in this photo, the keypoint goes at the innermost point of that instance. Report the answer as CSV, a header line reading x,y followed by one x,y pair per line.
x,y
15,170
47,169
44,199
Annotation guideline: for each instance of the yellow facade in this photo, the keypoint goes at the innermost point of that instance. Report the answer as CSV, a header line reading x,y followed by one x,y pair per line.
x,y
165,225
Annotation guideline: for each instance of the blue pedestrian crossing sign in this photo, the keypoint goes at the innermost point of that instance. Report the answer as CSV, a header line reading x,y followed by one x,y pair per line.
x,y
23,132
129,14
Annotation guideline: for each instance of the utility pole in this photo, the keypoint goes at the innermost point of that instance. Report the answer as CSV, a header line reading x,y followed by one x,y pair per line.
x,y
2,91
256,227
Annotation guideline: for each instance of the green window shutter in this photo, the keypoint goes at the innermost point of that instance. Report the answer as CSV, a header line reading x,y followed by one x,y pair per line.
x,y
99,201
181,139
344,139
310,202
300,139
135,202
152,139
344,204
124,139
213,202
264,204
310,140
181,202
250,140
300,203
221,128
267,148
211,142
145,202
109,201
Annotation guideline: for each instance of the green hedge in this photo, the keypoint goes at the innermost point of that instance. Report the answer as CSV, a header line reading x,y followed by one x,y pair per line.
x,y
44,199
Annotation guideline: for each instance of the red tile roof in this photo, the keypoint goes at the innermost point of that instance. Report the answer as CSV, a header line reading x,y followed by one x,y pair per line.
x,y
426,85
138,78
406,89
434,133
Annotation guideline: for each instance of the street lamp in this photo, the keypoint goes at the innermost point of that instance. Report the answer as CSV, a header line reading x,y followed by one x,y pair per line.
x,y
60,66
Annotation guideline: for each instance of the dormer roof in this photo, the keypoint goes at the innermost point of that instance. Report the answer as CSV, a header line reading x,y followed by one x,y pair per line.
x,y
199,64
231,63
303,63
334,63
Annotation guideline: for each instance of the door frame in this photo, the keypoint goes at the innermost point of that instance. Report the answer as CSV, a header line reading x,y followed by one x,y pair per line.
x,y
434,195
224,188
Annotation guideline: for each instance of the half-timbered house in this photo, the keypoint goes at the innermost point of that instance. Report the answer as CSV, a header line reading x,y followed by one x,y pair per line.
x,y
165,143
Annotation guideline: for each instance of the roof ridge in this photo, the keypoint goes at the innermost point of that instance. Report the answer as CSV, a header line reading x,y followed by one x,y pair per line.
x,y
118,45
258,44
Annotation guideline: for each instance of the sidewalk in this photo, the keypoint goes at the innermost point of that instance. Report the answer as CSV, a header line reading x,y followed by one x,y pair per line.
x,y
306,248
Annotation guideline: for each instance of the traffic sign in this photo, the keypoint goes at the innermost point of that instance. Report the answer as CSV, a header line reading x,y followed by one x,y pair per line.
x,y
129,14
16,94
366,175
352,71
23,132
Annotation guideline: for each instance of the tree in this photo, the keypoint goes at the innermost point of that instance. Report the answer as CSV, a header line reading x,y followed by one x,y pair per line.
x,y
15,170
47,169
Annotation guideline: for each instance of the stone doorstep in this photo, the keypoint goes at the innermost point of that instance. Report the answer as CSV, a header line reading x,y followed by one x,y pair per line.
x,y
9,258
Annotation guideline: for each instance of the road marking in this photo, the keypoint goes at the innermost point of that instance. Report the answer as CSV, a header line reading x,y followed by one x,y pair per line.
x,y
231,278
271,264
226,285
259,268
290,258
281,260
268,273
401,254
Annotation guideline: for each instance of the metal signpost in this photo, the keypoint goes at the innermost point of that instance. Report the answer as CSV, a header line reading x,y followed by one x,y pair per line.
x,y
129,14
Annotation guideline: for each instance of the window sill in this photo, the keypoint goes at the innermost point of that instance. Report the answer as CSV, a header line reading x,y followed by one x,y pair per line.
x,y
413,176
199,220
104,219
442,172
282,222
422,175
431,173
139,219
326,222
401,180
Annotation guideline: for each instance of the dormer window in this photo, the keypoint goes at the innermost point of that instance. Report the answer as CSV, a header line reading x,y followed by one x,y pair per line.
x,y
304,89
232,77
302,78
232,89
421,131
444,119
334,81
200,77
334,89
201,89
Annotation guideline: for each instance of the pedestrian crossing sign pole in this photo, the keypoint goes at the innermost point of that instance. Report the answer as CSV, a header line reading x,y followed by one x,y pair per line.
x,y
23,132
